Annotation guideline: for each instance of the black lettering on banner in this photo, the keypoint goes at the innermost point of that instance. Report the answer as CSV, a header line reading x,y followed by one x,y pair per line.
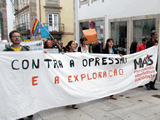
x,y
117,60
48,60
13,66
144,62
55,64
90,60
104,61
137,63
71,63
97,61
34,65
84,62
150,60
60,64
111,59
121,60
141,63
27,62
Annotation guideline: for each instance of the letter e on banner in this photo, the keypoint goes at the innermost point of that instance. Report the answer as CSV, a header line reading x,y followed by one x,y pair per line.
x,y
34,81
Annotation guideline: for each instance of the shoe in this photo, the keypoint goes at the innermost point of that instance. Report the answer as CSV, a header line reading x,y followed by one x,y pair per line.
x,y
147,86
30,116
21,119
153,88
112,97
75,106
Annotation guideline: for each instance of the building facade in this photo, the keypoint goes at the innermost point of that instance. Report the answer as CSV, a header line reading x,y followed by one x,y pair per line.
x,y
58,15
124,21
3,21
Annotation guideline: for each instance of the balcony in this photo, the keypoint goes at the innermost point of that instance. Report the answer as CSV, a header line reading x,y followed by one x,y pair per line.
x,y
55,28
24,28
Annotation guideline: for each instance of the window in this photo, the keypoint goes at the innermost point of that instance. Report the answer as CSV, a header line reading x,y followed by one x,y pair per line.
x,y
22,20
27,21
143,28
82,2
119,35
25,18
53,22
19,20
52,1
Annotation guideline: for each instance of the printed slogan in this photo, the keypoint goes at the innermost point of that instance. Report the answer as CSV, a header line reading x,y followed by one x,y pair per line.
x,y
32,81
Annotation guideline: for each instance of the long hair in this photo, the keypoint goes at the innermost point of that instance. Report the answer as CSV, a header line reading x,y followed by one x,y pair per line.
x,y
83,39
133,46
69,44
45,44
106,46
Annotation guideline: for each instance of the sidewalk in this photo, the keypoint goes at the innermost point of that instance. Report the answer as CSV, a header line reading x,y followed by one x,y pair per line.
x,y
135,104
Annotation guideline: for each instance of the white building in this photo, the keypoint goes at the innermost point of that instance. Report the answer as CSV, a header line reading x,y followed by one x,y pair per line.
x,y
122,20
10,15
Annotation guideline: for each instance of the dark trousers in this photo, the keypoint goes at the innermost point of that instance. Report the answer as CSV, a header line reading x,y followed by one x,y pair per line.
x,y
151,84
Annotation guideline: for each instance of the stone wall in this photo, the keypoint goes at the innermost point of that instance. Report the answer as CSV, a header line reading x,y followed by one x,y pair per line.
x,y
3,17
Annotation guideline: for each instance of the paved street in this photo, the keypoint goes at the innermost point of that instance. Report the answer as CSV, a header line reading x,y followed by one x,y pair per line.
x,y
135,104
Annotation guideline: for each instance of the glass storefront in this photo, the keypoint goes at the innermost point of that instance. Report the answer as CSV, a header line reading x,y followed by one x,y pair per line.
x,y
119,35
99,29
143,28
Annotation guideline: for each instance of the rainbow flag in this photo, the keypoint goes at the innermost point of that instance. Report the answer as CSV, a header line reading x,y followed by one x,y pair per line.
x,y
36,26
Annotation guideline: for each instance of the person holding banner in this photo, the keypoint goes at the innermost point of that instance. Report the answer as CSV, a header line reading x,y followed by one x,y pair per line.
x,y
84,48
71,47
15,37
152,42
133,47
48,44
109,49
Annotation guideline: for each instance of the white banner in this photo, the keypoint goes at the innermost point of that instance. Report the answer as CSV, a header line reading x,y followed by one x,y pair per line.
x,y
35,81
33,45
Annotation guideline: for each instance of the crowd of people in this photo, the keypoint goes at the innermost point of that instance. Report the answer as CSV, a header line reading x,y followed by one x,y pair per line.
x,y
72,46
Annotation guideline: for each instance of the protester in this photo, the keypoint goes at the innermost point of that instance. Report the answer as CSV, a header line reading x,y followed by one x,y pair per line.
x,y
142,46
76,46
84,47
133,47
152,42
71,47
55,44
62,48
109,49
48,44
15,37
96,48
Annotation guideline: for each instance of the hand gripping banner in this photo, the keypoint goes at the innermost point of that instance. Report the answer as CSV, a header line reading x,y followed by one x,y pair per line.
x,y
34,81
